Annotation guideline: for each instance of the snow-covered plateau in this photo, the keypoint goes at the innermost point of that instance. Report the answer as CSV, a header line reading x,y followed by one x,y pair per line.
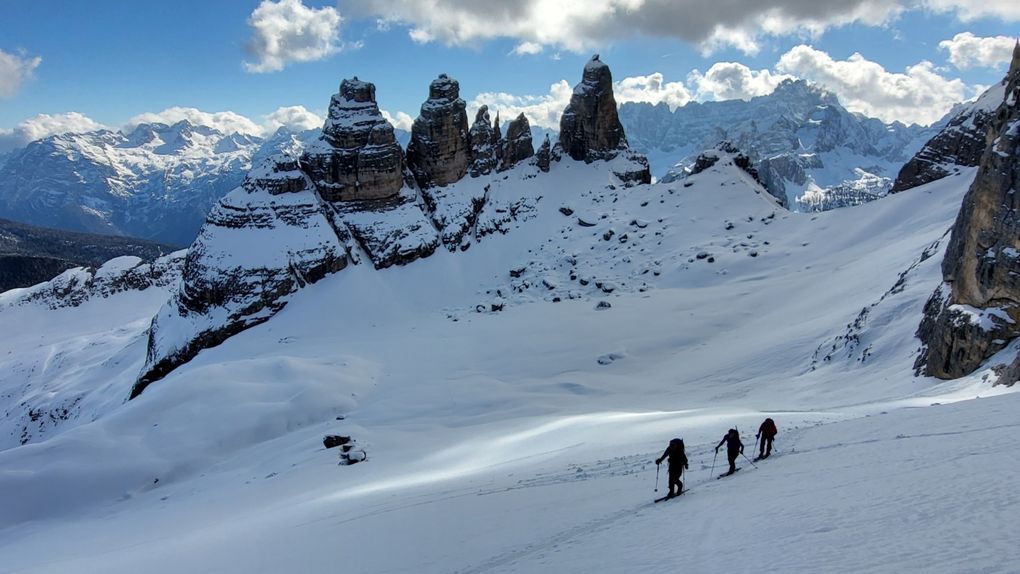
x,y
511,399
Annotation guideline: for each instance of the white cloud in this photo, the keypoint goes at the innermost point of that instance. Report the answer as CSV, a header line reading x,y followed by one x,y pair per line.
x,y
652,89
967,50
968,10
919,95
543,111
733,81
295,118
15,70
226,122
45,125
581,25
288,31
400,120
527,49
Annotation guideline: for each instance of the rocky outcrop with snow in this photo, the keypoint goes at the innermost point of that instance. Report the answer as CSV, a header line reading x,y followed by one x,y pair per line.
x,y
976,312
262,242
76,286
357,157
799,137
350,196
485,141
961,143
518,145
440,152
590,128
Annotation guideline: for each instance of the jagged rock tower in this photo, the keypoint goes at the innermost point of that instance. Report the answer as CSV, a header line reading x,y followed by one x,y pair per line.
x,y
590,128
439,152
976,312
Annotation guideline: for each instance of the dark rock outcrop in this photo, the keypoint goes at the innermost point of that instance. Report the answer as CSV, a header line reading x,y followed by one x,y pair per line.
x,y
960,144
439,152
357,157
262,242
544,156
590,128
485,142
977,311
518,145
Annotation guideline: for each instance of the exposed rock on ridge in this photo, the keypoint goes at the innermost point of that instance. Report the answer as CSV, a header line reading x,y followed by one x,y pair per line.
x,y
590,128
960,143
439,152
977,311
518,146
358,156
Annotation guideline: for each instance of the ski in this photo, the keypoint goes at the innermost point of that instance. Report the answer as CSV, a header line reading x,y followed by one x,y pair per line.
x,y
725,474
667,497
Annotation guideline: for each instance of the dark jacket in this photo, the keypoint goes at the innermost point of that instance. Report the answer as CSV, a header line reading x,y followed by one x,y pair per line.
x,y
768,429
732,441
676,455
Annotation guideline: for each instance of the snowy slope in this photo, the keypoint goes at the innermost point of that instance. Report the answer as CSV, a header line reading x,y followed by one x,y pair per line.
x,y
499,441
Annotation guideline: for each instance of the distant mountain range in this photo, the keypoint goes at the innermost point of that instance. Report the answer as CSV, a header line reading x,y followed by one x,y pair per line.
x,y
810,152
30,255
159,181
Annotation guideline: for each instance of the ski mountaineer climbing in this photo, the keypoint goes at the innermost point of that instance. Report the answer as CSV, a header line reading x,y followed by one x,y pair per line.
x,y
767,433
733,448
677,463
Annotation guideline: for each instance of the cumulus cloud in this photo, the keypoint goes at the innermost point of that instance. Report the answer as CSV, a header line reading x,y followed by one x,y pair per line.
x,y
918,95
226,122
580,25
652,89
295,118
400,120
543,111
288,31
968,51
733,81
45,125
15,70
527,49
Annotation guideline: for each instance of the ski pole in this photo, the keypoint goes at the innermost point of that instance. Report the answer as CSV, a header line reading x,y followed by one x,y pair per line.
x,y
657,478
749,460
713,461
756,444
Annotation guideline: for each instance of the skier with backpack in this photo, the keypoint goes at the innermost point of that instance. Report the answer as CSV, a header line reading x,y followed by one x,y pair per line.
x,y
677,463
733,448
767,433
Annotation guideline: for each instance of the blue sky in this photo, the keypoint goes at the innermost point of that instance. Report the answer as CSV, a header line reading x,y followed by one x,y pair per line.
x,y
112,60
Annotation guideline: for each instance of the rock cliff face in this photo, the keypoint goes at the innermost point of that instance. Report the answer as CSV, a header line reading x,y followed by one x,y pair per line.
x,y
262,242
358,156
977,311
590,128
439,152
518,146
961,143
485,143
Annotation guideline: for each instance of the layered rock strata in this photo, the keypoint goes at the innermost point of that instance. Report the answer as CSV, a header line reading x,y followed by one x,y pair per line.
x,y
976,312
439,152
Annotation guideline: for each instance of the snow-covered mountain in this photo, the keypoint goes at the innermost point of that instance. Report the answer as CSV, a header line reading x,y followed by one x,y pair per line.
x,y
501,356
811,153
156,181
